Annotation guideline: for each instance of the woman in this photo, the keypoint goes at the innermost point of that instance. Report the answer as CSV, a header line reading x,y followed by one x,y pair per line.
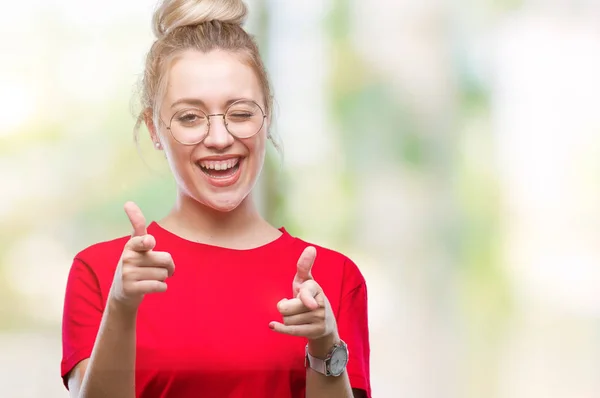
x,y
212,301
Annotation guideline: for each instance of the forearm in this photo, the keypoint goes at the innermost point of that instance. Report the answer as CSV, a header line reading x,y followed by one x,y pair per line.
x,y
111,370
321,386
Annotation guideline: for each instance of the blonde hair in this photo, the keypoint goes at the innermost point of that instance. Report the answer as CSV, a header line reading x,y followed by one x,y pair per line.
x,y
202,25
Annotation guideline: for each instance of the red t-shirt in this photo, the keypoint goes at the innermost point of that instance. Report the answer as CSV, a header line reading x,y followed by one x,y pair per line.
x,y
209,332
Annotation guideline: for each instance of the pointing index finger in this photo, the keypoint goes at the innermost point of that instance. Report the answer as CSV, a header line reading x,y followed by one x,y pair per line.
x,y
305,263
304,268
136,218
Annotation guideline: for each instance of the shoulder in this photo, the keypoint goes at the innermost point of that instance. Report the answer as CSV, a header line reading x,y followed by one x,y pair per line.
x,y
102,256
92,271
332,263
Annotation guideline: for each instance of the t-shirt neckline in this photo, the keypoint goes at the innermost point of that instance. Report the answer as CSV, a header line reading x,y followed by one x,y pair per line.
x,y
163,235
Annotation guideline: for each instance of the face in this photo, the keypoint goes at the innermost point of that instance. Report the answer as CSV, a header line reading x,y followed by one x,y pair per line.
x,y
221,171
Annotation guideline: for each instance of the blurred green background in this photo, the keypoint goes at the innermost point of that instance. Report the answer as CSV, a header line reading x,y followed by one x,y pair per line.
x,y
451,149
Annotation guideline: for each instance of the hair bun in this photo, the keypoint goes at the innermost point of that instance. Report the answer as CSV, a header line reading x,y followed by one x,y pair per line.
x,y
173,14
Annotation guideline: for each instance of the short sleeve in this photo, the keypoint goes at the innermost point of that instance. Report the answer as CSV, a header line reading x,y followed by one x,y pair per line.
x,y
82,313
353,327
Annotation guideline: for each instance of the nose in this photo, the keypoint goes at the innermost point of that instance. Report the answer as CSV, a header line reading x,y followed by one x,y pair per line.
x,y
218,137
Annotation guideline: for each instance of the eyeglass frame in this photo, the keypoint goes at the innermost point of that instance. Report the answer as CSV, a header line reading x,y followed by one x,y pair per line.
x,y
208,116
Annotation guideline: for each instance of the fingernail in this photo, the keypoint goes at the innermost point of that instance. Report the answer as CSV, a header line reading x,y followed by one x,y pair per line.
x,y
271,326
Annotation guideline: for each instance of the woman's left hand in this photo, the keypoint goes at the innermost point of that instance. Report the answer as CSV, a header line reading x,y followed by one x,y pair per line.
x,y
308,314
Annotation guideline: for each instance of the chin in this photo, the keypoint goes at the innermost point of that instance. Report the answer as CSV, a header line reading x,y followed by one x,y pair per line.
x,y
224,194
223,204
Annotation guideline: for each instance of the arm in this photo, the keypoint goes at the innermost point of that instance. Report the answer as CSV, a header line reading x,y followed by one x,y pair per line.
x,y
320,386
107,334
110,372
76,377
310,315
352,325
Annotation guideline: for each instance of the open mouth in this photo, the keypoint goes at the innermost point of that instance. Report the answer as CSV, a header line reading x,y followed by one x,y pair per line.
x,y
219,168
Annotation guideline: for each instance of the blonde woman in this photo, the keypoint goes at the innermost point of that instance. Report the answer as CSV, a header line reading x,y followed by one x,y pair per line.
x,y
211,300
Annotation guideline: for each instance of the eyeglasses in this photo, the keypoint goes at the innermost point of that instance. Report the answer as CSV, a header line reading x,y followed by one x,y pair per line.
x,y
243,119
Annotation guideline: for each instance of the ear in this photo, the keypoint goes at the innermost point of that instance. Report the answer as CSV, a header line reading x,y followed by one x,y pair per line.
x,y
267,126
149,122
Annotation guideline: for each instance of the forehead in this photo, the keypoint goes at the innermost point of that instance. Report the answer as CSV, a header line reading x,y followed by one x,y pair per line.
x,y
214,77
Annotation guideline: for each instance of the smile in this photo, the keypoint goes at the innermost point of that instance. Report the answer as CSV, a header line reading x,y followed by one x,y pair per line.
x,y
219,168
221,173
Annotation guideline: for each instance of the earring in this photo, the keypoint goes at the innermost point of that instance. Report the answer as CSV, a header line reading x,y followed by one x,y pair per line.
x,y
157,145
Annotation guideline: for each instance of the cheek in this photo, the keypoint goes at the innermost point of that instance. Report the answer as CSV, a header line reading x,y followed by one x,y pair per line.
x,y
179,158
258,153
259,146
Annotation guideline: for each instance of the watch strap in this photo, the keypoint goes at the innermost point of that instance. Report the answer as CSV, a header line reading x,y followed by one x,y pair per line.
x,y
316,364
322,365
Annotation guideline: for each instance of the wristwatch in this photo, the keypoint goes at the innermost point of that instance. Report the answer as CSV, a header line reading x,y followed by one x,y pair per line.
x,y
335,362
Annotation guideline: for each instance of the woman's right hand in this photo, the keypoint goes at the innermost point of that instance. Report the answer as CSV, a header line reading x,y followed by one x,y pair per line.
x,y
141,270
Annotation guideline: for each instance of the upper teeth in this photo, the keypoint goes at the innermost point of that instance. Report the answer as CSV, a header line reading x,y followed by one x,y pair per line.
x,y
219,164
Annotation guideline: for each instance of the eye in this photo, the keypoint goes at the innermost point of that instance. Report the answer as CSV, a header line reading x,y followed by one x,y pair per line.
x,y
239,115
190,118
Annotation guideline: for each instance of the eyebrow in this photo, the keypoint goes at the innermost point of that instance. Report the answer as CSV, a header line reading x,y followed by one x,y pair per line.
x,y
199,102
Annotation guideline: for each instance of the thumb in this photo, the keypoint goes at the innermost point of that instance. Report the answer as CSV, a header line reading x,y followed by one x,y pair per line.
x,y
136,218
305,263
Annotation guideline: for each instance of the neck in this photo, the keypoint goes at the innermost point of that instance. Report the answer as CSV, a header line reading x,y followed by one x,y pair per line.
x,y
195,219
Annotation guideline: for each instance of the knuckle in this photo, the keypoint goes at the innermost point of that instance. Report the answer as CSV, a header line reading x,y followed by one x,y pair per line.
x,y
128,273
317,319
128,256
163,275
158,257
162,259
168,261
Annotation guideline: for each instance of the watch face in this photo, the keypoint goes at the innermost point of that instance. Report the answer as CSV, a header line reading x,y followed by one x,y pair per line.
x,y
339,359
